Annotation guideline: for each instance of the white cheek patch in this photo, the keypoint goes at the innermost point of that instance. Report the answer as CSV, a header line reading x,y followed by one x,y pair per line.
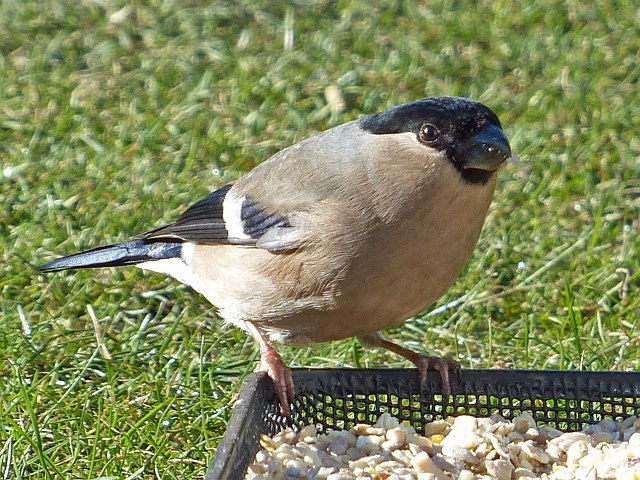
x,y
231,210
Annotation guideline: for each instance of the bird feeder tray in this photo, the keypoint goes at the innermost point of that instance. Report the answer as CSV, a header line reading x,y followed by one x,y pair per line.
x,y
340,398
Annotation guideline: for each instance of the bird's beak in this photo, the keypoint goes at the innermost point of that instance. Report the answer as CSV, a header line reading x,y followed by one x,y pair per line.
x,y
486,150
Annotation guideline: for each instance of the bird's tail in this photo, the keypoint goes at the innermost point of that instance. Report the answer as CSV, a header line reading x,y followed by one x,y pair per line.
x,y
128,253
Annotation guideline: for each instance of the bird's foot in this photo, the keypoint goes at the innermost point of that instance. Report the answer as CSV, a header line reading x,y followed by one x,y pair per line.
x,y
272,363
447,367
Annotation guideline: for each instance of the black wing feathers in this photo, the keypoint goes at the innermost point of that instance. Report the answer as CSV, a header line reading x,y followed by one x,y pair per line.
x,y
202,222
255,221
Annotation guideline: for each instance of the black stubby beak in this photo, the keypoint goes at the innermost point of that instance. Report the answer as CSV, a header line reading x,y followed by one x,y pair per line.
x,y
486,150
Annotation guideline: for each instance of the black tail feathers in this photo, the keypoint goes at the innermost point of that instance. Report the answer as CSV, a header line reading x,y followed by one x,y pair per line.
x,y
128,253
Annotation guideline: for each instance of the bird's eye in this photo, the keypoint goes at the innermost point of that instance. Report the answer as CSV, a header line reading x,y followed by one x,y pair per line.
x,y
429,133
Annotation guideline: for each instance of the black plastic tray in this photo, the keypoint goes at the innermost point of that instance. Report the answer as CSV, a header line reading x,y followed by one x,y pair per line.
x,y
340,398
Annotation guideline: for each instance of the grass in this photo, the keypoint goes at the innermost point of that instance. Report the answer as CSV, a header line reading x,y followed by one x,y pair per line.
x,y
114,116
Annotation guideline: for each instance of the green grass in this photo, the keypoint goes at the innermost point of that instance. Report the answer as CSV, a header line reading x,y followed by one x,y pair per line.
x,y
115,116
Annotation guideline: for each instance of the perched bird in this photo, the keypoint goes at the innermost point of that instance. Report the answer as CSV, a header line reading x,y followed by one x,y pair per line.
x,y
344,234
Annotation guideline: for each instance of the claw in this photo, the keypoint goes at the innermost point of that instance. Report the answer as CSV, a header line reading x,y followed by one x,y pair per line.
x,y
280,374
448,368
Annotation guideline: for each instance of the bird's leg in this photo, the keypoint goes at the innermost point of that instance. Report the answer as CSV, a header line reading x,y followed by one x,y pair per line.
x,y
272,363
445,366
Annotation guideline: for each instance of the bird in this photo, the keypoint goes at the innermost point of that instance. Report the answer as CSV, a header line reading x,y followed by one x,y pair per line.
x,y
344,234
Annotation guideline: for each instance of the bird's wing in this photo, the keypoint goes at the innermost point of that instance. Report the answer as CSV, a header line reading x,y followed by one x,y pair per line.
x,y
224,219
269,207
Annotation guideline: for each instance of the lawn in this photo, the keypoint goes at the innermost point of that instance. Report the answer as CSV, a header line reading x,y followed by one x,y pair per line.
x,y
115,116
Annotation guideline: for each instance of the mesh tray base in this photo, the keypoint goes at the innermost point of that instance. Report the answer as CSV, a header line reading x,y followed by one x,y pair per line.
x,y
340,398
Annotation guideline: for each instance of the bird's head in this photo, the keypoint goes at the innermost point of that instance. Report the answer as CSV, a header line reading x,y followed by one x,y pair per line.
x,y
468,132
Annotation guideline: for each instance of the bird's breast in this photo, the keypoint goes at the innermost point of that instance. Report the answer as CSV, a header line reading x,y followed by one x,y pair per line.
x,y
400,267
